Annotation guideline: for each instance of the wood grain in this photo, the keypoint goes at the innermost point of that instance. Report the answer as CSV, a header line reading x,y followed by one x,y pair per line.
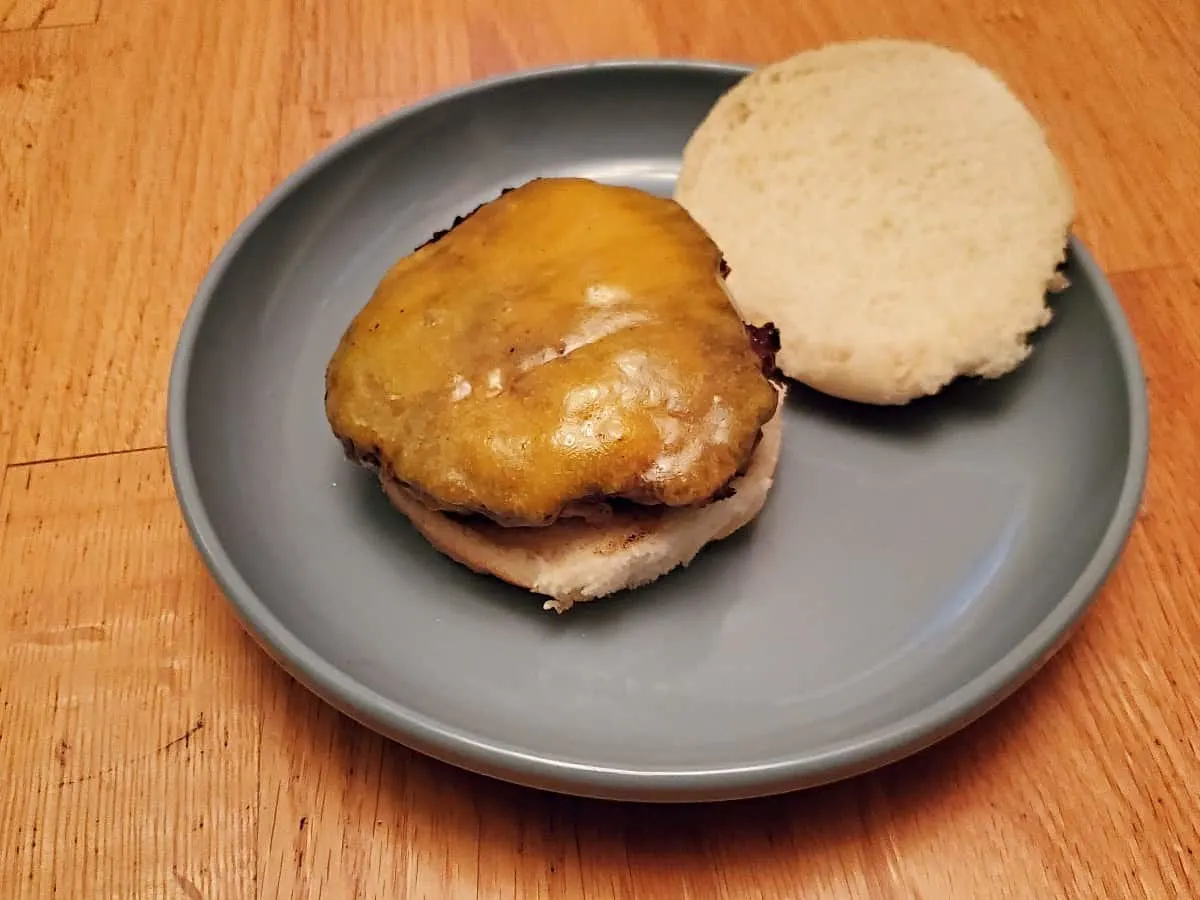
x,y
24,15
151,750
135,191
130,699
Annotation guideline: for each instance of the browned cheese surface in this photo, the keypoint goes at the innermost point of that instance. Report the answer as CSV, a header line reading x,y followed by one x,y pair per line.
x,y
567,341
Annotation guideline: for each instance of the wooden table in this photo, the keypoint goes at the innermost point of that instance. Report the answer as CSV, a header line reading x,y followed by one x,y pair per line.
x,y
148,749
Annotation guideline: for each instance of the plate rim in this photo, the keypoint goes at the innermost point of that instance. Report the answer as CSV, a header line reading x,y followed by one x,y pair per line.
x,y
900,738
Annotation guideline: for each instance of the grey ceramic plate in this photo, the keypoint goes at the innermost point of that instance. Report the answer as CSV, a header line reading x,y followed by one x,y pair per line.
x,y
912,567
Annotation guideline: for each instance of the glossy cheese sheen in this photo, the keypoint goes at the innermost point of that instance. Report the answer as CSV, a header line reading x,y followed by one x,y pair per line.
x,y
567,341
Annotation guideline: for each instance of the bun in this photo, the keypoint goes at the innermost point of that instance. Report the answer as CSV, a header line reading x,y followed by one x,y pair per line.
x,y
891,206
574,560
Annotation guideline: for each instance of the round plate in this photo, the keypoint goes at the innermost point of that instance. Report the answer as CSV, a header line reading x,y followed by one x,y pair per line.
x,y
912,567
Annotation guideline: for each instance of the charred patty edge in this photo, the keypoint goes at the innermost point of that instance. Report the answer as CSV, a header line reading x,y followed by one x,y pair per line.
x,y
458,220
